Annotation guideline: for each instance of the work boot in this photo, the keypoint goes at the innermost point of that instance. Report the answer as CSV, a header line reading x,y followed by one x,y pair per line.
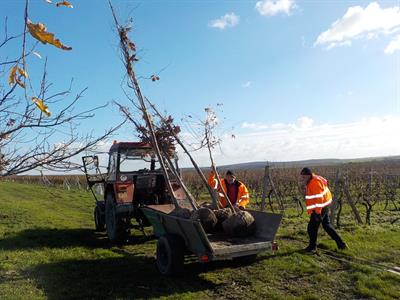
x,y
343,246
310,249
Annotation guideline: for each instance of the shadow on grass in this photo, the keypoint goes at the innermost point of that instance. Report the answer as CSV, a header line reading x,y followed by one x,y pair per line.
x,y
61,238
125,276
112,278
129,276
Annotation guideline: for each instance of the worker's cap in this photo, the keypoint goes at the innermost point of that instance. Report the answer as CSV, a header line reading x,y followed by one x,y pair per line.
x,y
231,173
306,171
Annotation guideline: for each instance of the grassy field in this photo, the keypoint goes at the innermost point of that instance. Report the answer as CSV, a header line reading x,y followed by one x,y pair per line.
x,y
48,249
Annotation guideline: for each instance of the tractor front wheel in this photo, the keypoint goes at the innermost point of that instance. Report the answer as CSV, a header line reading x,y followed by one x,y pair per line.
x,y
116,228
170,254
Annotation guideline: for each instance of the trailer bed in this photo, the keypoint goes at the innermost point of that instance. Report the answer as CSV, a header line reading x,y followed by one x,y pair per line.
x,y
219,245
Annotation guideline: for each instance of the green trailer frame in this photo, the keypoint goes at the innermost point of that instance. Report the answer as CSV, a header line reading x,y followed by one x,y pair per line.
x,y
188,234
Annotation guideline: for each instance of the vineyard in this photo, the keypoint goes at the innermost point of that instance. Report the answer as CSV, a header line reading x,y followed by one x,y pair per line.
x,y
367,187
49,249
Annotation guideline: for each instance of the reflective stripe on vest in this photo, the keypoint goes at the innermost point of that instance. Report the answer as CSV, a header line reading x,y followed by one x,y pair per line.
x,y
318,195
319,205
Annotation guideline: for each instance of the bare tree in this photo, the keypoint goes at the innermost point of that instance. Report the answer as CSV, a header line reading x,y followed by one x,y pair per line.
x,y
39,127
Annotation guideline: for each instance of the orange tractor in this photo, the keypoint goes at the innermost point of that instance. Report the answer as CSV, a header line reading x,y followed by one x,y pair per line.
x,y
133,180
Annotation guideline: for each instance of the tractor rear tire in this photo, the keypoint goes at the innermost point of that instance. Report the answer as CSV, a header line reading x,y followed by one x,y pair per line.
x,y
98,219
116,228
170,254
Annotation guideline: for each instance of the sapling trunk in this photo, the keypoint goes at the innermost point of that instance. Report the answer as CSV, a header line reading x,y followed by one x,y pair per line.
x,y
214,169
171,166
142,105
214,198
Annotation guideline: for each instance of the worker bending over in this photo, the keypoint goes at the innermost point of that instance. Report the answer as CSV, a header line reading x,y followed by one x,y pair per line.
x,y
318,200
235,190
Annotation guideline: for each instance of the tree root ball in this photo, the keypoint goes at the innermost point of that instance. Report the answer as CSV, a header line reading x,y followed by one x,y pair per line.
x,y
240,225
208,205
223,214
181,212
206,217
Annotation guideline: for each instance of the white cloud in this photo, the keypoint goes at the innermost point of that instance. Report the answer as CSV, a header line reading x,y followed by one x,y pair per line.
x,y
247,84
393,46
359,22
272,8
301,123
228,20
341,44
303,139
305,122
254,126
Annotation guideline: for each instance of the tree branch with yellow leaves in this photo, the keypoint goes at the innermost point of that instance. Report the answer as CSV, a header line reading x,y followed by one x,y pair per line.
x,y
39,127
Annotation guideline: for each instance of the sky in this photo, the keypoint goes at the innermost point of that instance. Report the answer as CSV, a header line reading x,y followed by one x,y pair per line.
x,y
297,79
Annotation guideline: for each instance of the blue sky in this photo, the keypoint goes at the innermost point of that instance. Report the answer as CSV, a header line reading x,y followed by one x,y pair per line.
x,y
294,84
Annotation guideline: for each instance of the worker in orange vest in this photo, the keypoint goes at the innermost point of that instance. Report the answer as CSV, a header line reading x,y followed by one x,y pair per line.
x,y
236,191
318,200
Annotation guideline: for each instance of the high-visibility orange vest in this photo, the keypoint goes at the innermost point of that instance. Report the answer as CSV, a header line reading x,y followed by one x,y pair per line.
x,y
243,197
318,194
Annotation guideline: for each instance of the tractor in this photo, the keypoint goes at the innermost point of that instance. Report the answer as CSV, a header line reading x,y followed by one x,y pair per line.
x,y
133,180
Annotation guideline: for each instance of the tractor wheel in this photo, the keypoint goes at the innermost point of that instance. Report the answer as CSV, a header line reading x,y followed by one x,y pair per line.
x,y
170,254
115,227
98,219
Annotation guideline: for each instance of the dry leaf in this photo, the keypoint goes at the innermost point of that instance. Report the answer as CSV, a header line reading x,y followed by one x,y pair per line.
x,y
64,3
11,122
22,72
132,46
133,58
38,31
154,78
13,77
43,107
20,82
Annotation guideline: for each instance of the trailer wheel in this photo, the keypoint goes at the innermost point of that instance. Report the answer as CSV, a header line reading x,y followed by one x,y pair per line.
x,y
115,227
98,219
170,254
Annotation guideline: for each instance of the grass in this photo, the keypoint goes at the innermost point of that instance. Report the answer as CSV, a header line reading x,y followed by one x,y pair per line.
x,y
49,250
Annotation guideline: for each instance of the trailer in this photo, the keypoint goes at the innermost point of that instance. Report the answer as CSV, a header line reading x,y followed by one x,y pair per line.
x,y
178,237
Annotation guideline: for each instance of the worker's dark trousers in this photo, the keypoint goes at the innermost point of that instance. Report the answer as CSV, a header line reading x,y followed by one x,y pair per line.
x,y
313,225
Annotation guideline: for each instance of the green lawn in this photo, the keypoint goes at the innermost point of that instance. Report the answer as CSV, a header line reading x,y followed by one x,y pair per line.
x,y
48,249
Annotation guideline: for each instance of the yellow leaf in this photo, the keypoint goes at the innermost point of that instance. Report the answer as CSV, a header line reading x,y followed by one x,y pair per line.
x,y
42,107
20,82
64,3
13,78
22,72
13,75
38,31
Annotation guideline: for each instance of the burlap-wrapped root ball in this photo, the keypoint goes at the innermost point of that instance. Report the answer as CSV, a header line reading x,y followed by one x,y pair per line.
x,y
206,217
181,212
222,214
240,225
208,205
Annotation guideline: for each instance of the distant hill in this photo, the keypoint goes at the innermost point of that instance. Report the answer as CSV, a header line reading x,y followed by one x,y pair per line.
x,y
303,163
